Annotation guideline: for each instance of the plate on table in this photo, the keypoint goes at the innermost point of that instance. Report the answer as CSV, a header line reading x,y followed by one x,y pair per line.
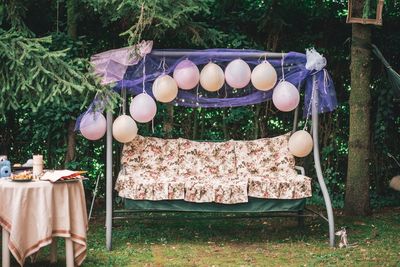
x,y
21,180
70,180
16,169
66,181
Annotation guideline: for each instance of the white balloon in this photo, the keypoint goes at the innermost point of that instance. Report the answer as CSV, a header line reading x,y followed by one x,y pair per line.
x,y
300,143
124,129
143,108
165,89
93,126
285,97
186,74
212,77
263,76
237,74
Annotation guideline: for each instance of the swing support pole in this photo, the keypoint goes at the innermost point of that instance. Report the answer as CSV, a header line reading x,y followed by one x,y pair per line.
x,y
317,162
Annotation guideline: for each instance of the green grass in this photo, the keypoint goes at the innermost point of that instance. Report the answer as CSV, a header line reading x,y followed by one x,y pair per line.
x,y
243,242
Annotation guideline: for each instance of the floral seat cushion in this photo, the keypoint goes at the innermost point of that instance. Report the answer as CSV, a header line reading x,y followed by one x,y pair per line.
x,y
152,175
280,186
263,156
223,172
206,159
209,170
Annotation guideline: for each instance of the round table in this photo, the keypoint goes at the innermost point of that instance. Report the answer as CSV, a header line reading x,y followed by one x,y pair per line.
x,y
33,213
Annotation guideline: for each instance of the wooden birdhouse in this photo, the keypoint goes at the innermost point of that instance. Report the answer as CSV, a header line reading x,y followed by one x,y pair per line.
x,y
365,11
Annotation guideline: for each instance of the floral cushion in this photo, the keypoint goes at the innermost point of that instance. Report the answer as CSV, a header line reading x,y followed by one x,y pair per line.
x,y
206,159
280,186
152,172
224,172
147,185
263,156
132,151
225,190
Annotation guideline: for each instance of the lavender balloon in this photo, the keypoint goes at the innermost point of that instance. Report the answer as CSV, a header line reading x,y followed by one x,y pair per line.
x,y
286,97
186,74
237,74
93,125
143,108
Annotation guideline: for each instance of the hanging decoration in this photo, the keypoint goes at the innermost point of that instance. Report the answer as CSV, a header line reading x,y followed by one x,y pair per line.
x,y
296,69
124,129
165,89
300,143
238,74
93,125
212,77
286,97
186,74
143,108
264,76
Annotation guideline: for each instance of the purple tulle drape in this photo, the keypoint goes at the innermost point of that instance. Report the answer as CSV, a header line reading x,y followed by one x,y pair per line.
x,y
294,71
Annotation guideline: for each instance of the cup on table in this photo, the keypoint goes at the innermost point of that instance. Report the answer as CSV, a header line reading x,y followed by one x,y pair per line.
x,y
37,169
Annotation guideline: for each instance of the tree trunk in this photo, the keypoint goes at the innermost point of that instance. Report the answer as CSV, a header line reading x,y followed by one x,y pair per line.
x,y
224,123
169,123
358,180
72,28
71,142
195,124
73,33
202,121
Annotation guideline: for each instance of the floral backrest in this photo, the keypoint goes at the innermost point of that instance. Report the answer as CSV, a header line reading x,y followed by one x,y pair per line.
x,y
160,156
206,159
131,153
264,156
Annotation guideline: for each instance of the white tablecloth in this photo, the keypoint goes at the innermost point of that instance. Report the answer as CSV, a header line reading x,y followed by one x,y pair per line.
x,y
35,212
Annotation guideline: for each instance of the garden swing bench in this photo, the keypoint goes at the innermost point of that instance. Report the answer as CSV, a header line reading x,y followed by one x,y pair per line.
x,y
137,76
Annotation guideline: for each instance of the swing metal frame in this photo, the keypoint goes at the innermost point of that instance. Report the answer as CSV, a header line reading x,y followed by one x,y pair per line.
x,y
316,154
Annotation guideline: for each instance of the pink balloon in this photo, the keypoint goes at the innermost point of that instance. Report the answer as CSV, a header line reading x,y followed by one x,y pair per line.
x,y
93,125
143,108
285,97
237,74
186,74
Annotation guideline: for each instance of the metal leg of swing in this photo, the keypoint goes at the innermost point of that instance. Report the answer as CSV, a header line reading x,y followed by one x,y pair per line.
x,y
300,219
318,168
109,199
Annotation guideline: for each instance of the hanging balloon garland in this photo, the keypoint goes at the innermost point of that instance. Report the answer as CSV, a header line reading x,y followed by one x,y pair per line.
x,y
186,74
212,78
165,88
264,76
124,127
285,97
143,108
237,74
93,125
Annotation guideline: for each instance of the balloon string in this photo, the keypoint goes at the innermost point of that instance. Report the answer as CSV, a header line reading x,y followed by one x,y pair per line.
x,y
283,71
123,94
326,77
197,94
144,74
152,125
309,105
163,65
